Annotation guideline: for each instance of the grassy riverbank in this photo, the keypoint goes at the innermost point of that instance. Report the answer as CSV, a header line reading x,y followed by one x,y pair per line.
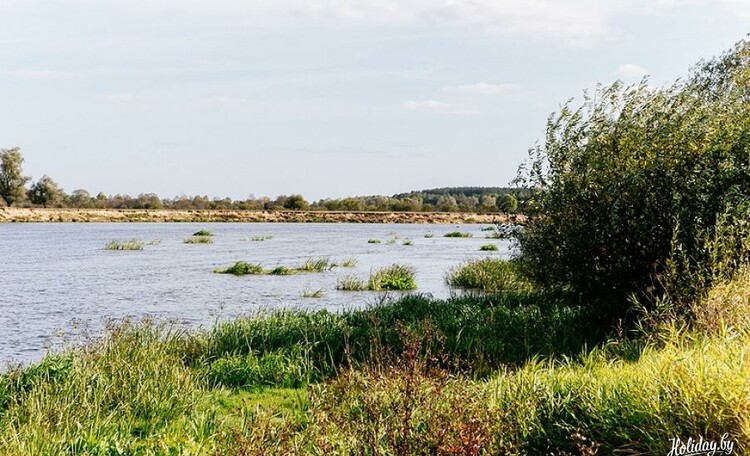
x,y
23,215
517,373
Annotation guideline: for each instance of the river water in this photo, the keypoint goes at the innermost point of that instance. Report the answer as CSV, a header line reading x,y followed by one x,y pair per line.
x,y
58,282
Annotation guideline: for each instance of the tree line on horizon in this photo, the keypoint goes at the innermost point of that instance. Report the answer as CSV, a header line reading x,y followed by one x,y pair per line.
x,y
46,192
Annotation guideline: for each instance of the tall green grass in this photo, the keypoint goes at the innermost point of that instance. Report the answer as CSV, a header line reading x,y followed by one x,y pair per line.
x,y
596,405
489,275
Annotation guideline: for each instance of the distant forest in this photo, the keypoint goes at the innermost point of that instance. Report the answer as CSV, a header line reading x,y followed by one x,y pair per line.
x,y
19,190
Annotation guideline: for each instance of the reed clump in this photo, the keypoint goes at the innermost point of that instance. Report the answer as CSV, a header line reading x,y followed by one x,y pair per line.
x,y
199,240
132,244
241,268
490,275
457,234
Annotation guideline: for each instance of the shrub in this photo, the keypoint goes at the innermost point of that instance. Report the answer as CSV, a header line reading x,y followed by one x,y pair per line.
x,y
488,275
629,189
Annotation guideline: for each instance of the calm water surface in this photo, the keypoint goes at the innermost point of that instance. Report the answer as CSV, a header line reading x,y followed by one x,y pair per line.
x,y
58,282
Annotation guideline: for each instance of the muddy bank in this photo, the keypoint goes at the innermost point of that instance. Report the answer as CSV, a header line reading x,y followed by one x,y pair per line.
x,y
153,215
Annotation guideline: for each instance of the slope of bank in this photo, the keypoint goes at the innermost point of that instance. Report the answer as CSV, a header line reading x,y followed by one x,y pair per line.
x,y
13,214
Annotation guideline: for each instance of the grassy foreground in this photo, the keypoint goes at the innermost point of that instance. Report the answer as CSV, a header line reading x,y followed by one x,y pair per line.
x,y
518,373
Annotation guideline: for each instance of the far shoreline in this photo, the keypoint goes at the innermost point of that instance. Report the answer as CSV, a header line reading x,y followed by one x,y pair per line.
x,y
74,215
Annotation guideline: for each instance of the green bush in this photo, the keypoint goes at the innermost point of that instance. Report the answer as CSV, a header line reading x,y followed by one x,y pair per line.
x,y
642,190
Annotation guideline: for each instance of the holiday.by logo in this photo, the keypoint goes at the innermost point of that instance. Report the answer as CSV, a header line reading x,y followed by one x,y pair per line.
x,y
701,447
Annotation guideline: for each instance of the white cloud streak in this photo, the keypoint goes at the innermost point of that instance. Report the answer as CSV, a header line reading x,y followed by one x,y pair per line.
x,y
438,106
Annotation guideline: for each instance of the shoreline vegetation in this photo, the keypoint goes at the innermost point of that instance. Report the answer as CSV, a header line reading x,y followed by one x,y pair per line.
x,y
620,326
42,215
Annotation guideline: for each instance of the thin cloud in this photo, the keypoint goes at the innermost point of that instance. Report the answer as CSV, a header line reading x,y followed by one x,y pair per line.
x,y
120,97
438,106
483,88
40,74
631,70
226,101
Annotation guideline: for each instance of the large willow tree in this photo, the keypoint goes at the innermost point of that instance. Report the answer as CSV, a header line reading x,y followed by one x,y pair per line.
x,y
644,191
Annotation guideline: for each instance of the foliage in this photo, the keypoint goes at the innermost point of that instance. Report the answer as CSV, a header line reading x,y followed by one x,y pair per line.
x,y
12,181
629,189
203,232
296,203
488,248
46,192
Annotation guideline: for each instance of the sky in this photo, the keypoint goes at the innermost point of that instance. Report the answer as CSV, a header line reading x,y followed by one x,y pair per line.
x,y
328,98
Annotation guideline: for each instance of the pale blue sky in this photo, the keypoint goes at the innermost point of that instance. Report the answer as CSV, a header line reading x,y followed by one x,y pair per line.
x,y
325,98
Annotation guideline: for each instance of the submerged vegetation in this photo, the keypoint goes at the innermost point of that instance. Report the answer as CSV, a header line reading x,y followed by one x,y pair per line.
x,y
132,244
199,240
241,268
457,234
322,264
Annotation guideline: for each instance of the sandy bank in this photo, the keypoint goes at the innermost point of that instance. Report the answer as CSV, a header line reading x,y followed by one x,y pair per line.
x,y
167,215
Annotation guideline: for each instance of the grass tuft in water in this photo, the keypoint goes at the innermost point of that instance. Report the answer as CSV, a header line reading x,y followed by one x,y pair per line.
x,y
319,293
260,238
408,242
457,234
198,240
350,283
373,241
132,244
395,277
282,270
203,233
488,275
349,262
488,248
316,265
241,268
